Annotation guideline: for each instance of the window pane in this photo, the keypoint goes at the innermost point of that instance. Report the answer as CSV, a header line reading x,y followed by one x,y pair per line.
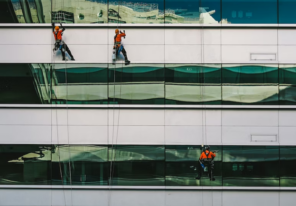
x,y
80,165
287,75
25,164
193,84
136,11
192,11
136,84
249,11
251,166
137,165
182,166
23,84
288,166
80,84
250,84
80,11
287,13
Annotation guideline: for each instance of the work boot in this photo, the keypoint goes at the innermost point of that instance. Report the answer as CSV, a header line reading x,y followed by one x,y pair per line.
x,y
197,178
127,62
64,59
72,58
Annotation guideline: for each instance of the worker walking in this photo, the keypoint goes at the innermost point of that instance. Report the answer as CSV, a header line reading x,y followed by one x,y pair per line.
x,y
118,46
59,43
206,160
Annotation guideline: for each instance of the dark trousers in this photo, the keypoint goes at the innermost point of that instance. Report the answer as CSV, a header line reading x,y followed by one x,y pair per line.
x,y
66,48
210,165
123,52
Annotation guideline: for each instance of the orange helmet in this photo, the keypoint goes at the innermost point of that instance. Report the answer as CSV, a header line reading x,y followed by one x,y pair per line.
x,y
116,31
57,28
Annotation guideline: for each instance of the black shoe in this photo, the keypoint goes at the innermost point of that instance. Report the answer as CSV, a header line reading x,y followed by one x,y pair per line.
x,y
72,59
213,179
197,178
127,62
64,59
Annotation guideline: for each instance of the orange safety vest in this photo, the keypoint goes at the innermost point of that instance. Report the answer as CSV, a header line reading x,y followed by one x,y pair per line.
x,y
58,35
117,38
207,155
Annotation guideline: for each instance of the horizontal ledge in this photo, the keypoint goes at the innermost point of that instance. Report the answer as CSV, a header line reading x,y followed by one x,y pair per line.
x,y
144,106
76,187
149,26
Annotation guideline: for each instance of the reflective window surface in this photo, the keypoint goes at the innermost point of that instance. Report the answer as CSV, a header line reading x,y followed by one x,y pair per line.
x,y
149,11
249,11
146,165
154,84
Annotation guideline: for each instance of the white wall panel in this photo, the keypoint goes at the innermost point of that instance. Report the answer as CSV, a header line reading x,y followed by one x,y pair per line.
x,y
25,53
25,134
242,53
26,36
212,36
250,118
84,36
287,135
183,135
88,117
182,37
238,135
287,37
183,117
25,117
287,118
211,54
183,54
249,36
287,54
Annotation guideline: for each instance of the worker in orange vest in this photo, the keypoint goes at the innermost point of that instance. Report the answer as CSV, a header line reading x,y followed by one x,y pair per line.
x,y
206,159
59,43
119,47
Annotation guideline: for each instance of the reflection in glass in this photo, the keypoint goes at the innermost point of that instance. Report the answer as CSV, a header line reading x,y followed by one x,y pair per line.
x,y
137,165
80,11
136,11
23,84
287,80
250,166
193,84
80,84
136,84
182,166
192,11
80,165
286,11
250,84
249,11
25,164
288,166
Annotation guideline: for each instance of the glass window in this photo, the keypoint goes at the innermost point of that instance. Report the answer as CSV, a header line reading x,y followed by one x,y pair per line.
x,y
137,165
80,84
288,166
136,84
80,11
287,74
136,11
193,84
19,84
192,11
251,166
182,166
80,165
286,11
25,164
250,84
249,11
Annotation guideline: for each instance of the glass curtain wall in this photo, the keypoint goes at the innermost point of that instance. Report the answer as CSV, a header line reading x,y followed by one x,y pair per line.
x,y
287,77
146,165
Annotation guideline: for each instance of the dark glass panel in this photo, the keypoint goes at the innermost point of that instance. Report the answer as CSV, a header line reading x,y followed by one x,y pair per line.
x,y
25,164
251,166
288,166
137,165
18,85
136,84
287,74
287,13
7,14
249,11
287,95
80,165
136,11
80,84
192,11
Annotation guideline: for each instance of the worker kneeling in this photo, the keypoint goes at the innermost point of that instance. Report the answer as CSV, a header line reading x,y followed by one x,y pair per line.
x,y
207,163
118,47
59,43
